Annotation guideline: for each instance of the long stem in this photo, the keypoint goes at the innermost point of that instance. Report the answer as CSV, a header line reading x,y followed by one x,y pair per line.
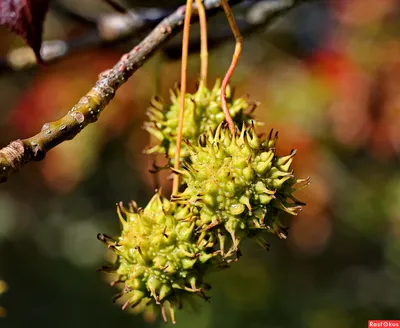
x,y
185,50
203,38
235,59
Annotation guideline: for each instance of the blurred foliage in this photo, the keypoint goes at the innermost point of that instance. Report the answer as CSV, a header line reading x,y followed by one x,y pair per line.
x,y
3,289
333,95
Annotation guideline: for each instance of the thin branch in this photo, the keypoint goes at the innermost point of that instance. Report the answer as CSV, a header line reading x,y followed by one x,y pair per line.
x,y
116,6
61,9
185,51
90,106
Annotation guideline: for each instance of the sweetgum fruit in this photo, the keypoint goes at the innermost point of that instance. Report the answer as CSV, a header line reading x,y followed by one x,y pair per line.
x,y
238,185
158,257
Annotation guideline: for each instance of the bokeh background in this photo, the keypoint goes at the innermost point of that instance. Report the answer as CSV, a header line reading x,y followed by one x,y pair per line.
x,y
327,76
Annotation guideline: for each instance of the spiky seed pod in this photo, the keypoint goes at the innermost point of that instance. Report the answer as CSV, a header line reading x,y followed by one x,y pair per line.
x,y
202,111
158,259
238,184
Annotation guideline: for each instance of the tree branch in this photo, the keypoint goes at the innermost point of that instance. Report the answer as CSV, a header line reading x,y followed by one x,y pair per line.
x,y
90,106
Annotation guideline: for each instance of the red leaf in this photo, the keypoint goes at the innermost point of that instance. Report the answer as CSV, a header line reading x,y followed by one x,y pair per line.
x,y
25,18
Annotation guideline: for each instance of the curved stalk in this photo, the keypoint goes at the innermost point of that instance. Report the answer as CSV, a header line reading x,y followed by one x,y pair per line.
x,y
204,46
235,59
185,50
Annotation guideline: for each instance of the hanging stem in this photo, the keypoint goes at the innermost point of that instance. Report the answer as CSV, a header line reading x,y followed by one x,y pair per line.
x,y
203,38
185,47
235,59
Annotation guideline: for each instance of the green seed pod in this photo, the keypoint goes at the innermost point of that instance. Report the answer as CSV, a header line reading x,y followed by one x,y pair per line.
x,y
202,111
238,185
159,259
